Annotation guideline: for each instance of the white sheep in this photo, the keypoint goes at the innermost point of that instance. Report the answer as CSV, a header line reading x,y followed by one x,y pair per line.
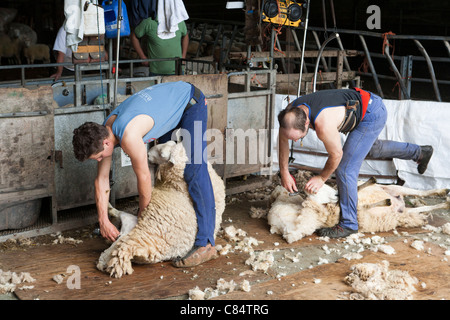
x,y
168,227
37,52
380,208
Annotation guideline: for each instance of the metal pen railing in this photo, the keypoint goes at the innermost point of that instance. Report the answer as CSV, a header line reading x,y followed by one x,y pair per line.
x,y
402,75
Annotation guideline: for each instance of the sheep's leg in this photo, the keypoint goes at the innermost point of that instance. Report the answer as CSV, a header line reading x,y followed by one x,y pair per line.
x,y
128,220
445,205
382,203
416,217
404,191
369,182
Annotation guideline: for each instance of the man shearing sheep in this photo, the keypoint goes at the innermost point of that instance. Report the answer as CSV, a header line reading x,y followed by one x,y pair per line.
x,y
154,113
362,115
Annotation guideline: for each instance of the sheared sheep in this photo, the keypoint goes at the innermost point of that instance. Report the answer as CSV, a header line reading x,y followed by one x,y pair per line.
x,y
380,208
168,227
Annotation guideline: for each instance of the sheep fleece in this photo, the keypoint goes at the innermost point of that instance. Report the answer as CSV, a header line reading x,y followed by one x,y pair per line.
x,y
168,227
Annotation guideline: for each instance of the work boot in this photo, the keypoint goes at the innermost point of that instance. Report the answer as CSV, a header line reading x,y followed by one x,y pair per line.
x,y
196,256
425,155
335,232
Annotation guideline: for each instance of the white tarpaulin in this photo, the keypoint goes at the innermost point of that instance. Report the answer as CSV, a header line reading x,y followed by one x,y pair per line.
x,y
419,122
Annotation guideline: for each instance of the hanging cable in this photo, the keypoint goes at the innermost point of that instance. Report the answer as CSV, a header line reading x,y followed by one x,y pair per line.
x,y
100,61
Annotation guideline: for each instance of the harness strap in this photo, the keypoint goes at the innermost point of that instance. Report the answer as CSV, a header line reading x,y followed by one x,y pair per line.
x,y
349,121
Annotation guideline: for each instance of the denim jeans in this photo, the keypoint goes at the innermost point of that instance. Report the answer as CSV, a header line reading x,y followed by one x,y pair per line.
x,y
196,174
363,141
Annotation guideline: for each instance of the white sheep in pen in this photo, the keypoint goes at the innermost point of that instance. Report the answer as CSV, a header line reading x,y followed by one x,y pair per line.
x,y
168,226
380,208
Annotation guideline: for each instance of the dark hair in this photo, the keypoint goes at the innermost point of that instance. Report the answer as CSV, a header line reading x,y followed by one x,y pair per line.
x,y
299,121
88,140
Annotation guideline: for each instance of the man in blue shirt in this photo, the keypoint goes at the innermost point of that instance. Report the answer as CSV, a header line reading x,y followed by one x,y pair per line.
x,y
153,113
360,114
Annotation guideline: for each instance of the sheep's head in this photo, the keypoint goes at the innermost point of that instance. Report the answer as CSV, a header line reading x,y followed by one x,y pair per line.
x,y
171,158
161,153
326,194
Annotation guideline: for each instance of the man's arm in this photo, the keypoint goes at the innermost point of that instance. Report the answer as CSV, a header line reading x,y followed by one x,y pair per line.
x,y
135,148
184,45
137,46
59,59
102,192
331,139
283,161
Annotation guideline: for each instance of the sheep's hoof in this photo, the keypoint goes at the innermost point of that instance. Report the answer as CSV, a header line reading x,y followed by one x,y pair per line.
x,y
196,256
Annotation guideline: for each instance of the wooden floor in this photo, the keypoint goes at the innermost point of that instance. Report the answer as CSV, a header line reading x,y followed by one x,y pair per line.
x,y
163,281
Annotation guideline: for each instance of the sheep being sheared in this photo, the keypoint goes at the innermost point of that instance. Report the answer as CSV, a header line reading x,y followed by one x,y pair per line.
x,y
380,208
168,226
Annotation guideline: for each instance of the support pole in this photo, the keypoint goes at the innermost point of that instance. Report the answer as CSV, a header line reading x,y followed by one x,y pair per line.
x,y
116,81
116,74
303,49
430,69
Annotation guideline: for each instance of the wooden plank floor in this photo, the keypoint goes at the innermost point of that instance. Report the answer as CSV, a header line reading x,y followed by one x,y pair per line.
x,y
158,281
163,281
427,268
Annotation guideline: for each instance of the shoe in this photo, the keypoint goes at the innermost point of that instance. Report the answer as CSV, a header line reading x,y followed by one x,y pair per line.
x,y
425,155
196,256
336,232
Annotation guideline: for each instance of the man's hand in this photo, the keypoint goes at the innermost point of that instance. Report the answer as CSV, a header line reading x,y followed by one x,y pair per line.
x,y
109,231
288,182
314,184
56,76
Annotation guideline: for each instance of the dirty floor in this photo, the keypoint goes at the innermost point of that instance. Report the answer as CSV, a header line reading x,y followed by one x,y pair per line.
x,y
309,269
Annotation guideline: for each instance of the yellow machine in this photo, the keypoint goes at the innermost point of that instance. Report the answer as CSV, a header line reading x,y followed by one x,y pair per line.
x,y
282,12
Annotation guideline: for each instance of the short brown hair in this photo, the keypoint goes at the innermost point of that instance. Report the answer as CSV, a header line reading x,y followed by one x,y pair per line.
x,y
88,140
300,118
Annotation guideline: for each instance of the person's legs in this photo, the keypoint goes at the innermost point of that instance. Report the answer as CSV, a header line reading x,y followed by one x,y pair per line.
x,y
394,149
194,125
402,150
356,148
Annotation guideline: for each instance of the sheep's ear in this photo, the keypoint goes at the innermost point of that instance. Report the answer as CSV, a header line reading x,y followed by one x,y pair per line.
x,y
160,153
178,154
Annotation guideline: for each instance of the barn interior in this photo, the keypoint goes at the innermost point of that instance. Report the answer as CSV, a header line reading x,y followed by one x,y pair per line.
x,y
249,66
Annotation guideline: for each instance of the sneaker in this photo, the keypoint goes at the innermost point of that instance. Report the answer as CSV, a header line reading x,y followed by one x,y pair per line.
x,y
196,256
335,232
425,155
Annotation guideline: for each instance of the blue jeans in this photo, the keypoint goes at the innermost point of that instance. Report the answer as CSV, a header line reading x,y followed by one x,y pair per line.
x,y
196,172
363,141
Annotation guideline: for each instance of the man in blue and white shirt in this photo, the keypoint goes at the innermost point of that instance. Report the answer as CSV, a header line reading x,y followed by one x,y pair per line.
x,y
153,113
